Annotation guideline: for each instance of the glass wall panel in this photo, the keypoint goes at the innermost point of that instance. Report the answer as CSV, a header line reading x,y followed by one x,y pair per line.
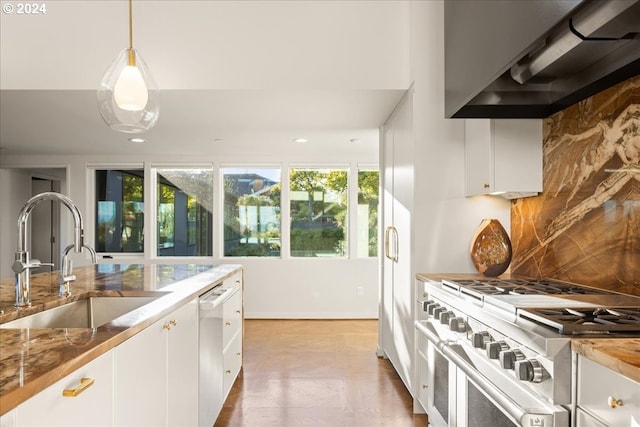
x,y
367,221
318,209
184,211
119,211
251,212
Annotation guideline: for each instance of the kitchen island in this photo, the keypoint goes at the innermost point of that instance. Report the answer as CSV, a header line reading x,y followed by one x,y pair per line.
x,y
33,359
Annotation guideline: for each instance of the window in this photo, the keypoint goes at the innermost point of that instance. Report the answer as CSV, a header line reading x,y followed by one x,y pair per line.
x,y
119,211
367,221
318,209
184,211
251,212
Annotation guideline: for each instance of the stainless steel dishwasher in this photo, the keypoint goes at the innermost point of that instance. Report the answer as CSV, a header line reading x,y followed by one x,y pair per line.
x,y
210,357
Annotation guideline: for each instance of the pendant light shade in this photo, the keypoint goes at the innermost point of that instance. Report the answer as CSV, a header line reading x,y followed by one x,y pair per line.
x,y
128,97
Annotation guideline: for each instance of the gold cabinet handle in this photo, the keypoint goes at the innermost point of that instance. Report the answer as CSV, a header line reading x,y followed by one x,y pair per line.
x,y
85,383
238,354
227,324
387,232
613,402
173,322
166,327
228,371
486,185
425,386
238,311
391,231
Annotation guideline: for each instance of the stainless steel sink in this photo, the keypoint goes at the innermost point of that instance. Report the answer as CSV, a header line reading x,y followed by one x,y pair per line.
x,y
87,313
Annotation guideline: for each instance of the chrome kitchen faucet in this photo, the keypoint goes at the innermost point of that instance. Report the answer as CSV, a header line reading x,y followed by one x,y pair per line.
x,y
23,264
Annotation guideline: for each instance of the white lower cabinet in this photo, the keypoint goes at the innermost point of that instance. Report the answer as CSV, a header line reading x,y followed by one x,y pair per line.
x,y
156,379
605,398
232,341
182,367
92,404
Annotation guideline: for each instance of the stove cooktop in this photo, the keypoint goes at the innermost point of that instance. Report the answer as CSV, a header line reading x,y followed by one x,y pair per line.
x,y
523,287
566,308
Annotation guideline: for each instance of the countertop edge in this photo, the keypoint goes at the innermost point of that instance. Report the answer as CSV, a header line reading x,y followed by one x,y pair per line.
x,y
621,355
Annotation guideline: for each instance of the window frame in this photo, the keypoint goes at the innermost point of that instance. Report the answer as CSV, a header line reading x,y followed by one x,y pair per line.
x,y
348,167
150,200
153,238
366,167
220,199
92,200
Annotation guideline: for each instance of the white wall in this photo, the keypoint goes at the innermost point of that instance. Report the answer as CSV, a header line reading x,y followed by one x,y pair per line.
x,y
444,219
15,190
275,288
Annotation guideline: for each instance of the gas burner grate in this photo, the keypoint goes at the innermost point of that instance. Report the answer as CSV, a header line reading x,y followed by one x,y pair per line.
x,y
521,287
585,320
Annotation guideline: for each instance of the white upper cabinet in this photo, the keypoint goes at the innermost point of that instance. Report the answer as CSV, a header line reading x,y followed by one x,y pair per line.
x,y
503,156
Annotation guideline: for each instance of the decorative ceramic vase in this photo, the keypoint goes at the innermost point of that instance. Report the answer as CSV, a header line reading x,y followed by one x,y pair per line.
x,y
491,248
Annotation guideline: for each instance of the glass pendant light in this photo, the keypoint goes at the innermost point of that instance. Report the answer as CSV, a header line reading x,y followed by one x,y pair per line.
x,y
128,97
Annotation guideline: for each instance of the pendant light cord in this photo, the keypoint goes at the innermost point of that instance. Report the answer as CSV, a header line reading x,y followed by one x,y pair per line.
x,y
130,24
132,55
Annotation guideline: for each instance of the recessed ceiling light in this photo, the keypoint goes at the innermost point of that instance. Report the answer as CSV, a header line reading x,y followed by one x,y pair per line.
x,y
217,139
137,140
301,140
354,140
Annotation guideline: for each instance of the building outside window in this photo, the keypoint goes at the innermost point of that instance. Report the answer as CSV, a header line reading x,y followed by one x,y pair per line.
x,y
184,211
367,221
119,211
252,211
318,212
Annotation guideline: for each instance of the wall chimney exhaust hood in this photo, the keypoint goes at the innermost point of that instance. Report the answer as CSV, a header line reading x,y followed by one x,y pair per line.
x,y
530,59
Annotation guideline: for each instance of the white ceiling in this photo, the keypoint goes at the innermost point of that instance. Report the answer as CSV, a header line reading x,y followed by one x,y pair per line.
x,y
226,69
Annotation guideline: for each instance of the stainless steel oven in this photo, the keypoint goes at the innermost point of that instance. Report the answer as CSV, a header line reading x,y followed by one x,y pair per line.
x,y
464,390
498,353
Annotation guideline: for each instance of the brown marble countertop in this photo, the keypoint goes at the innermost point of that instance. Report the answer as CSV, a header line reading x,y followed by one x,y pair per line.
x,y
621,355
33,359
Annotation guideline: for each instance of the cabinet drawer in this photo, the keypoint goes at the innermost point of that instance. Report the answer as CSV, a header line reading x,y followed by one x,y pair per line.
x,y
93,406
231,318
233,282
232,362
597,384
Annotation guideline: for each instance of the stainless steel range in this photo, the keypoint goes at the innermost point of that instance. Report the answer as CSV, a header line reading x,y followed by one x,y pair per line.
x,y
498,352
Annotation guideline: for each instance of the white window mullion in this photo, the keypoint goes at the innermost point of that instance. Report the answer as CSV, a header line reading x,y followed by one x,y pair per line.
x,y
150,221
285,221
352,188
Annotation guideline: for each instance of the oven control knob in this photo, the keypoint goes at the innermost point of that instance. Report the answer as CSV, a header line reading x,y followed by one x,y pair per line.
x,y
509,358
445,316
494,348
425,304
438,311
529,370
431,307
457,324
480,339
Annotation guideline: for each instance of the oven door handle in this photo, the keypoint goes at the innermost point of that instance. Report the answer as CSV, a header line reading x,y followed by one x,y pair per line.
x,y
514,411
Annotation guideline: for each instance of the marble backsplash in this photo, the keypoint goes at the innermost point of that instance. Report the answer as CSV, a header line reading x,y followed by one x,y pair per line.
x,y
585,225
